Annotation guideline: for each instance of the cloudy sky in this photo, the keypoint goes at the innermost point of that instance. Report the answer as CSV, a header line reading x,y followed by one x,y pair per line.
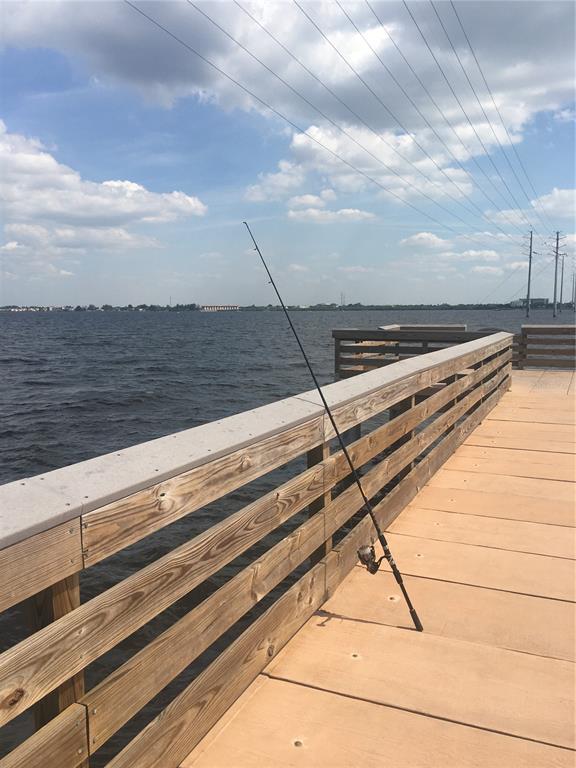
x,y
359,139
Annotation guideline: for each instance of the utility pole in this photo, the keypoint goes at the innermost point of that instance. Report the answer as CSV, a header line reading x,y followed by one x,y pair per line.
x,y
529,276
562,283
554,313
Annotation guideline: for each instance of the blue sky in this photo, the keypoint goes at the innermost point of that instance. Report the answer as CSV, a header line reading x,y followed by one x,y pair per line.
x,y
129,166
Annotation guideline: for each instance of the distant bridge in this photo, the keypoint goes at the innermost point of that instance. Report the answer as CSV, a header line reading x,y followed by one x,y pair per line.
x,y
220,308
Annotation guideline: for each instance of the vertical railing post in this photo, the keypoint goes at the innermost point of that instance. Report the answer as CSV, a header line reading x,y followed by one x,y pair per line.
x,y
337,344
48,606
316,456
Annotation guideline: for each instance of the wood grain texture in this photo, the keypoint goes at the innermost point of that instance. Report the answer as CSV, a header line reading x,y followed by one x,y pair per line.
x,y
115,526
506,691
166,741
44,608
43,661
35,563
62,743
280,724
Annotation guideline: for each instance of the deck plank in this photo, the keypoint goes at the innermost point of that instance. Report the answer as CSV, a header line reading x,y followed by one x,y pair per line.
x,y
486,482
502,619
280,724
524,464
464,682
539,416
509,506
514,535
485,567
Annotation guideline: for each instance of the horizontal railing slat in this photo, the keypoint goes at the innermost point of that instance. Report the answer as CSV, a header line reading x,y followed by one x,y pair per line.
x,y
40,561
62,743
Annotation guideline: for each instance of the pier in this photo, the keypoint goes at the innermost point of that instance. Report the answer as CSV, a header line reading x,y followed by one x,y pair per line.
x,y
470,466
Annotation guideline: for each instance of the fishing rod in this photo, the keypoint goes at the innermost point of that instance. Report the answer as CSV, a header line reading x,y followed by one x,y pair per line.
x,y
366,553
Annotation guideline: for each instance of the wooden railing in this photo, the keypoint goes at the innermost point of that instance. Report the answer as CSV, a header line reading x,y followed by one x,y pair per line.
x,y
545,346
56,525
358,350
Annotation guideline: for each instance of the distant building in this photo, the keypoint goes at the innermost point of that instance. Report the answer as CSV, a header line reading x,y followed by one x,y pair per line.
x,y
220,307
534,303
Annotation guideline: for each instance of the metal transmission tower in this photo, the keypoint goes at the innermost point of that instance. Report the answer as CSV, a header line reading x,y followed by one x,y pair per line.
x,y
557,255
529,275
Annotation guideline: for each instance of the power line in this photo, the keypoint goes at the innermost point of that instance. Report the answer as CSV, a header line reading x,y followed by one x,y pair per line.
x,y
359,118
449,84
290,122
518,158
296,92
473,89
422,116
441,113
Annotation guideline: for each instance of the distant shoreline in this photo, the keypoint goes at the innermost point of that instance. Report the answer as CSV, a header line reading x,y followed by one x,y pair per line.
x,y
274,308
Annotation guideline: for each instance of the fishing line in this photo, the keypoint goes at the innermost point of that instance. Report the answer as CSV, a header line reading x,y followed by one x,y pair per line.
x,y
366,553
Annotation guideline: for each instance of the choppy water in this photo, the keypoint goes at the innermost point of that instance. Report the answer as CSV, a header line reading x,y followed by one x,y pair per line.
x,y
77,385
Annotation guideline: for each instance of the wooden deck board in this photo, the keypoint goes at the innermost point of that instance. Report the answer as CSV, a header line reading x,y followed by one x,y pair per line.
x,y
514,535
485,567
508,506
540,416
515,693
501,619
486,548
277,724
504,485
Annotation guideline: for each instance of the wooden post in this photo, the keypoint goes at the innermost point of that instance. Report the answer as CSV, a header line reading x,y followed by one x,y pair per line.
x,y
44,608
337,345
315,456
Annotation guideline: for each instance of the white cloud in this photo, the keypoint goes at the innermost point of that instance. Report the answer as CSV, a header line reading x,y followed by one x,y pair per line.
x,y
51,211
426,239
275,186
560,203
298,268
306,201
328,217
482,270
356,269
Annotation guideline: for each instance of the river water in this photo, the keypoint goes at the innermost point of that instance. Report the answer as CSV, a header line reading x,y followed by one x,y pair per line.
x,y
74,385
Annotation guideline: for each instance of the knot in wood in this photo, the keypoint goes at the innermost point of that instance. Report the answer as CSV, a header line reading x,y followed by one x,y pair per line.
x,y
15,697
245,463
270,651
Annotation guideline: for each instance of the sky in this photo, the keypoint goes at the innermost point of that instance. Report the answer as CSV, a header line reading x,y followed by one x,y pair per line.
x,y
382,152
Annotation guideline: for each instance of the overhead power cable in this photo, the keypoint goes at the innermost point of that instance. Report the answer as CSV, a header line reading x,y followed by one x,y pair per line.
x,y
422,116
290,122
360,119
456,97
473,89
440,112
512,144
346,133
365,83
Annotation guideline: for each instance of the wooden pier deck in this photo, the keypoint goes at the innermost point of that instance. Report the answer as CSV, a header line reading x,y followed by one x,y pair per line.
x,y
487,547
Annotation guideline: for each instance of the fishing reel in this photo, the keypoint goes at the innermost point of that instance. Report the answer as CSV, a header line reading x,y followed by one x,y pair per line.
x,y
367,556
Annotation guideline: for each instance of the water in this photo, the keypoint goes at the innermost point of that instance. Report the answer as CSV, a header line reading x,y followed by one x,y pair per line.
x,y
74,385
77,385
